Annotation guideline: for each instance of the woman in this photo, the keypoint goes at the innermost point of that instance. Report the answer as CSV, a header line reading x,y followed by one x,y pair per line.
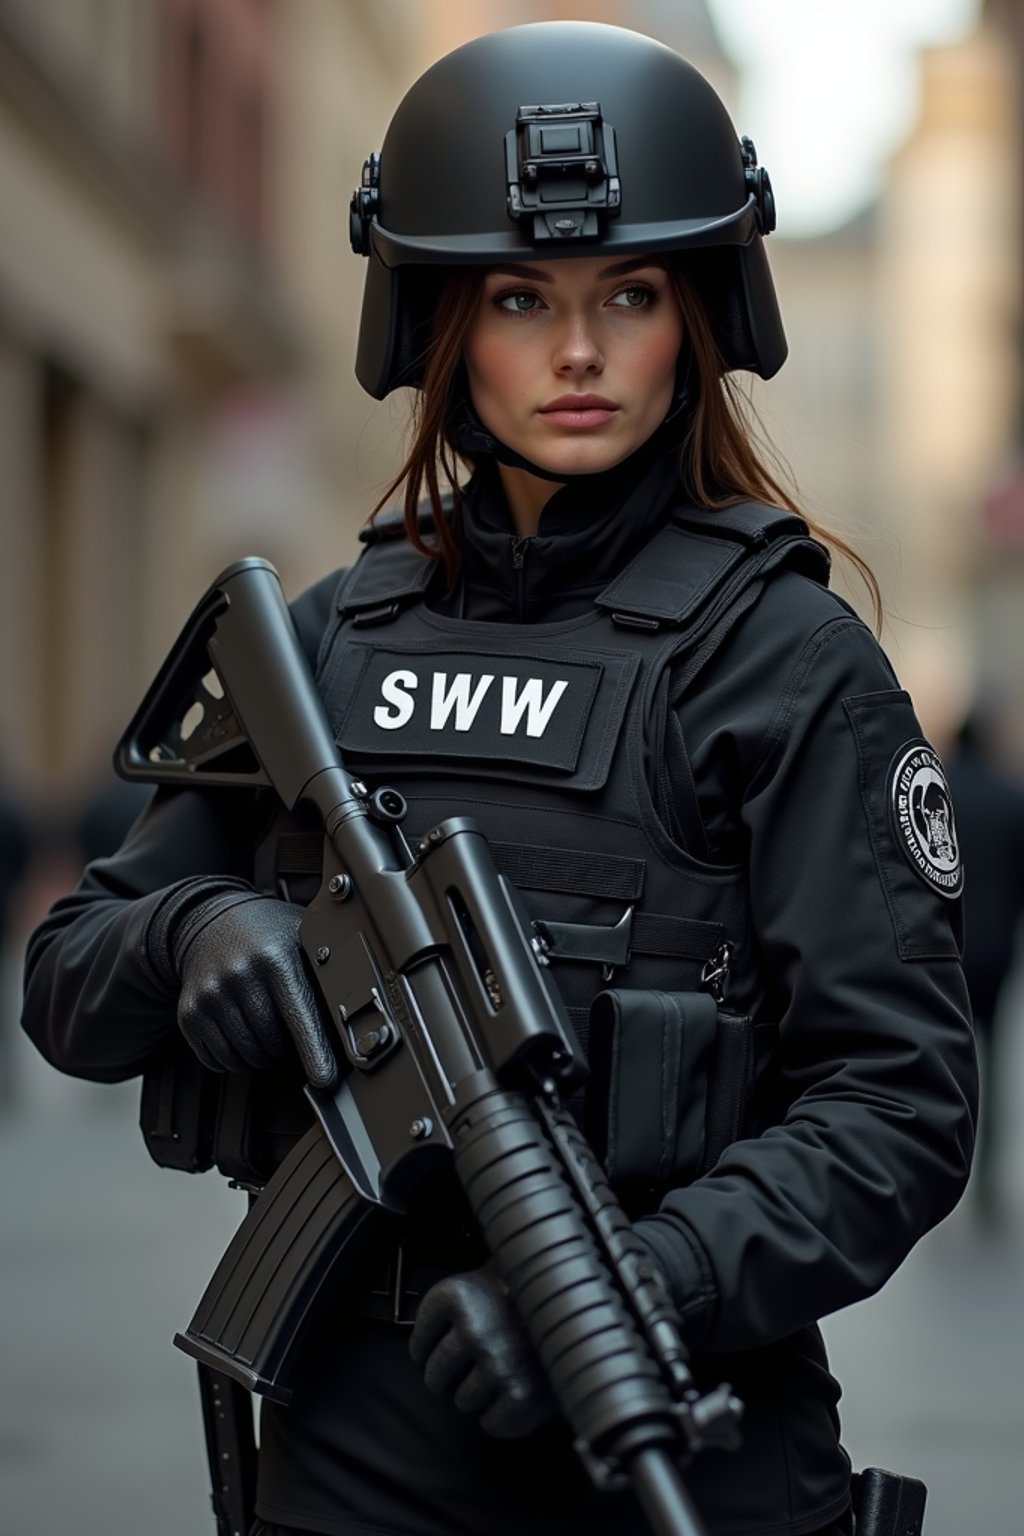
x,y
615,649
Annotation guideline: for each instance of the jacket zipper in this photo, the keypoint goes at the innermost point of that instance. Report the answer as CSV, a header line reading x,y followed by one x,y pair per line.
x,y
519,547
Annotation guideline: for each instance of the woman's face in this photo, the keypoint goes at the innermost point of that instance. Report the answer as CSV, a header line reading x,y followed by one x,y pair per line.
x,y
572,363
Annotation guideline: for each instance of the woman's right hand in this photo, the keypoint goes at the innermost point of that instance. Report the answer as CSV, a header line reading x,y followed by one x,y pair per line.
x,y
245,998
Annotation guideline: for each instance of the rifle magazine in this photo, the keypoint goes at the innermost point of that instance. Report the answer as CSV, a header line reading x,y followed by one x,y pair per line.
x,y
307,1226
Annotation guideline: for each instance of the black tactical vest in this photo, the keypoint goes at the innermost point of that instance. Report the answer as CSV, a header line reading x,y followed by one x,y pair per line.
x,y
553,737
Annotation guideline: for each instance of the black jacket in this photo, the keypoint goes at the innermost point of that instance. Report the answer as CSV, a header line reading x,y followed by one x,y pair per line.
x,y
794,737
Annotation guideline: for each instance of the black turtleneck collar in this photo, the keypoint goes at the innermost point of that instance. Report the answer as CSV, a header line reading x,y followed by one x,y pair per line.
x,y
589,530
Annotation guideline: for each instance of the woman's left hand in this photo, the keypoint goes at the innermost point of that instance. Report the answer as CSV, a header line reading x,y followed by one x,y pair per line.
x,y
472,1347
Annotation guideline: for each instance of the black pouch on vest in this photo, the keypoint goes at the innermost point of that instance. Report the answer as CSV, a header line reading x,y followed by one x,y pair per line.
x,y
730,1076
260,1116
888,1504
669,1080
178,1112
649,1056
242,1123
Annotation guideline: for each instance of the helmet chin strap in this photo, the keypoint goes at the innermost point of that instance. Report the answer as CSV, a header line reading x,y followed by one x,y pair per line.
x,y
473,439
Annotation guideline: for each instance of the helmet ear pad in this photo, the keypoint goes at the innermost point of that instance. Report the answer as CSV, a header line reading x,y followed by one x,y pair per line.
x,y
378,341
734,283
757,302
394,332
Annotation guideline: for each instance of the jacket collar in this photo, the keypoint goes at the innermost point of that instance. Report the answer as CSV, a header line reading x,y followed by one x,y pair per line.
x,y
589,530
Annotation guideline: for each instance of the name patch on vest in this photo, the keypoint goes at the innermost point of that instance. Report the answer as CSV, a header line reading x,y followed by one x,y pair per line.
x,y
525,709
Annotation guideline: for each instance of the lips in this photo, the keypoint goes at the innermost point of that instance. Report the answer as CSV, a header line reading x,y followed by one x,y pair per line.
x,y
578,403
576,413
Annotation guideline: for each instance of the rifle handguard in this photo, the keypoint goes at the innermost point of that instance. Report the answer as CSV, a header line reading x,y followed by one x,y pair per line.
x,y
607,1384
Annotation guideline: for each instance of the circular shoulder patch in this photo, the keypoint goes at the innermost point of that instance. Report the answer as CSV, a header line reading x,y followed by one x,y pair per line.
x,y
921,810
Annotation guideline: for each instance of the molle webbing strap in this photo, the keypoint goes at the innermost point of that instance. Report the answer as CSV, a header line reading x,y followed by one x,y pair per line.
x,y
566,871
561,870
579,1018
694,568
683,938
602,876
298,855
640,933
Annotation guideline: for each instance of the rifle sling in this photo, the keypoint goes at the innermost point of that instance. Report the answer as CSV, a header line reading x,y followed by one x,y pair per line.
x,y
230,1449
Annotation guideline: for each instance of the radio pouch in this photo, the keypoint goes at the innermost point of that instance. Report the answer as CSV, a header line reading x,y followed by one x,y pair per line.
x,y
178,1110
650,1054
888,1504
669,1082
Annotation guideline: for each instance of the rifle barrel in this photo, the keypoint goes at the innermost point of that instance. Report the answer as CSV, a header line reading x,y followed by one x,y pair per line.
x,y
662,1494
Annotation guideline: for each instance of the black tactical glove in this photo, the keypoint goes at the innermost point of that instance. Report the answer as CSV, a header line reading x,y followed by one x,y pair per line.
x,y
245,999
472,1346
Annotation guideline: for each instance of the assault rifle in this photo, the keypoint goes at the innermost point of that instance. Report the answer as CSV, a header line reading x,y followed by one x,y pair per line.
x,y
453,1046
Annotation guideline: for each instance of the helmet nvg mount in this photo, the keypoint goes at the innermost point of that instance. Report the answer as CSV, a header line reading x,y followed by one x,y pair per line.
x,y
557,139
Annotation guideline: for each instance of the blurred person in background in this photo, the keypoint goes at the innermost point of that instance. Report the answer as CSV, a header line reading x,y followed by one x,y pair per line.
x,y
16,843
989,805
717,800
104,815
15,850
42,856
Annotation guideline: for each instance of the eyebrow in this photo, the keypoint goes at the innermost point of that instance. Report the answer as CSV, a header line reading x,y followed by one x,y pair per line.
x,y
618,269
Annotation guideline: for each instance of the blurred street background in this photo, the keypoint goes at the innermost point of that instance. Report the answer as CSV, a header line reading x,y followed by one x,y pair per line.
x,y
178,310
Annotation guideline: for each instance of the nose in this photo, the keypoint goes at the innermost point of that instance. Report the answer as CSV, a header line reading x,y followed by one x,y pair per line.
x,y
577,349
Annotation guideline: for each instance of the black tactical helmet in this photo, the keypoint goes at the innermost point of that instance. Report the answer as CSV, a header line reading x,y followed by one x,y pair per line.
x,y
560,139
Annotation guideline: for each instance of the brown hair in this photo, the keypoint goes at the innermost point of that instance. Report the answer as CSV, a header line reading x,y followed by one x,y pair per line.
x,y
433,449
722,461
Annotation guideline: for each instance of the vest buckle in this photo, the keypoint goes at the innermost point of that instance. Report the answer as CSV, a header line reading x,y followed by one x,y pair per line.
x,y
715,973
635,621
609,946
383,613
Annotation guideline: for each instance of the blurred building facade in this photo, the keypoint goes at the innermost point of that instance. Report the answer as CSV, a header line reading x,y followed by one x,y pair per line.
x,y
949,401
133,286
1000,584
179,305
899,406
174,201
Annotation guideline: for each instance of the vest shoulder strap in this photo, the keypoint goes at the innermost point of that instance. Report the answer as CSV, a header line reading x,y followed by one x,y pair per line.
x,y
689,573
390,524
390,574
696,566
